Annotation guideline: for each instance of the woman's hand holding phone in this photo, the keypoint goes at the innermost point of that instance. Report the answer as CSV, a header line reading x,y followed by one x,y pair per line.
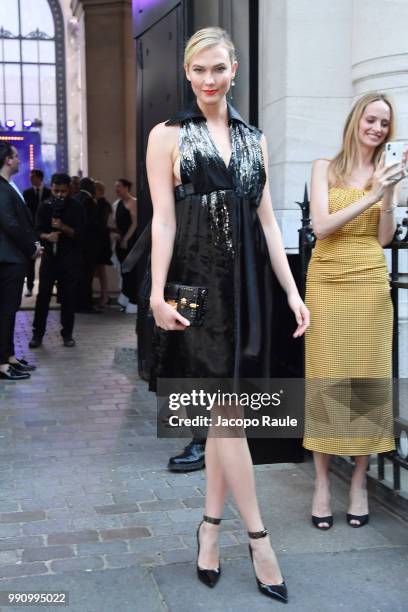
x,y
386,177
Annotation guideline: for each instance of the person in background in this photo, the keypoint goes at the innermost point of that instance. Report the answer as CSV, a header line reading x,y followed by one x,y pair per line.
x,y
60,223
86,197
127,234
75,186
104,249
34,196
349,343
18,246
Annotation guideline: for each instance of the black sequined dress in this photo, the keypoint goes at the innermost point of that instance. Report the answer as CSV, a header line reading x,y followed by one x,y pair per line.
x,y
220,245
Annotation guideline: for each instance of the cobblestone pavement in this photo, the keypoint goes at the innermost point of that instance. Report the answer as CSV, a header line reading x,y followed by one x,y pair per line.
x,y
87,506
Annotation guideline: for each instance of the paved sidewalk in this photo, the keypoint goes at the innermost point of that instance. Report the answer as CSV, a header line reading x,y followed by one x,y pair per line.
x,y
87,506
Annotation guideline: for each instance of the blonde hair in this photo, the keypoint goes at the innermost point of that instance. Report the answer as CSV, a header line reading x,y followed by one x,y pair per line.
x,y
208,37
341,166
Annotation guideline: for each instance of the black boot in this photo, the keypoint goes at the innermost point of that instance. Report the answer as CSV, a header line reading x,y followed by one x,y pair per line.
x,y
192,458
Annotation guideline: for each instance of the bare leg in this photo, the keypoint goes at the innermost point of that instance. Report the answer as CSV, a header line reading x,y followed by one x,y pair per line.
x,y
103,281
236,462
321,498
214,507
358,488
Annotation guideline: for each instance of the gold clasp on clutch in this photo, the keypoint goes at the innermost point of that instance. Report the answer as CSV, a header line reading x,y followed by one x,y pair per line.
x,y
192,305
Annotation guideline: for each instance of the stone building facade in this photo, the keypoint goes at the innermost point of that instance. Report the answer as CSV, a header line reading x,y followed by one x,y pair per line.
x,y
315,58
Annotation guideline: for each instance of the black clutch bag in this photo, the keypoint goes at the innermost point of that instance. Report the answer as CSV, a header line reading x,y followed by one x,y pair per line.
x,y
190,302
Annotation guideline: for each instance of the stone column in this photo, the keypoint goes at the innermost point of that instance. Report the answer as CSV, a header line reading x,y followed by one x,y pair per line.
x,y
305,90
380,62
380,53
110,90
76,87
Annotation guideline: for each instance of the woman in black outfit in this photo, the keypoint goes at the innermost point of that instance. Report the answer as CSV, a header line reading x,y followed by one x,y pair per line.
x,y
104,248
126,226
213,227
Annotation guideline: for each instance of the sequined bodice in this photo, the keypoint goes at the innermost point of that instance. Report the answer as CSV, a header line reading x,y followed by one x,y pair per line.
x,y
202,165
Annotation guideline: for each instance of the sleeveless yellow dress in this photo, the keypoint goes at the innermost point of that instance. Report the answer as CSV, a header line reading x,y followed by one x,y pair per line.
x,y
349,341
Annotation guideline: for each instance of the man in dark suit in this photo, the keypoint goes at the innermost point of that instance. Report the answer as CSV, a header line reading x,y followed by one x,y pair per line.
x,y
18,246
34,196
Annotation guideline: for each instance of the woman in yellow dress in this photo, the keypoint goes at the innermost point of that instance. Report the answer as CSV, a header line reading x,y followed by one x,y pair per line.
x,y
349,342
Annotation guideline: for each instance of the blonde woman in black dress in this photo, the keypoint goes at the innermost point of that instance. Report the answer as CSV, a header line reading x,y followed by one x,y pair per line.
x,y
213,226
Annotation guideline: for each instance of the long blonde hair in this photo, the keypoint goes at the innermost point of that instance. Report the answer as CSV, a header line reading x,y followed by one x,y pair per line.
x,y
340,167
208,37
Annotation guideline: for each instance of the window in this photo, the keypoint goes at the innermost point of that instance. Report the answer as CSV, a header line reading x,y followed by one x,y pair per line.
x,y
32,71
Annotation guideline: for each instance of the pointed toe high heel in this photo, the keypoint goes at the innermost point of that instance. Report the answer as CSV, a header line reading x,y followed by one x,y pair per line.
x,y
274,591
363,519
209,577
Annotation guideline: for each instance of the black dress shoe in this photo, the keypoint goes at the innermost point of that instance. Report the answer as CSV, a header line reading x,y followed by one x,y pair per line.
x,y
35,342
192,458
69,342
23,366
13,374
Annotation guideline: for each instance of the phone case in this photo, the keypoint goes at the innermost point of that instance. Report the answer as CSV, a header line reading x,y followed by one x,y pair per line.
x,y
394,152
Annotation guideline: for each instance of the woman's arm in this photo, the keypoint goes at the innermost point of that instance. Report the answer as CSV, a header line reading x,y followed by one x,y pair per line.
x,y
387,224
159,164
277,254
326,223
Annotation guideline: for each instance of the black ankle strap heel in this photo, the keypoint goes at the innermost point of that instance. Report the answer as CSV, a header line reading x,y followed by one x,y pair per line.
x,y
210,519
255,535
274,591
207,576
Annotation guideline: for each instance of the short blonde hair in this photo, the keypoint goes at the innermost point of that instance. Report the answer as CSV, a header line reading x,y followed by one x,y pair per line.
x,y
208,37
341,166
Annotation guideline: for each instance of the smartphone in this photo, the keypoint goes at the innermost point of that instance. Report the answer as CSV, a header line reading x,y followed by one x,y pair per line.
x,y
394,152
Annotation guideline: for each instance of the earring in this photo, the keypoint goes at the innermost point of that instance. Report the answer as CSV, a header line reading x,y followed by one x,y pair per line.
x,y
232,85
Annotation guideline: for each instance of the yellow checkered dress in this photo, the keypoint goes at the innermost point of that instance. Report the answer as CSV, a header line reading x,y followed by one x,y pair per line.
x,y
348,343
